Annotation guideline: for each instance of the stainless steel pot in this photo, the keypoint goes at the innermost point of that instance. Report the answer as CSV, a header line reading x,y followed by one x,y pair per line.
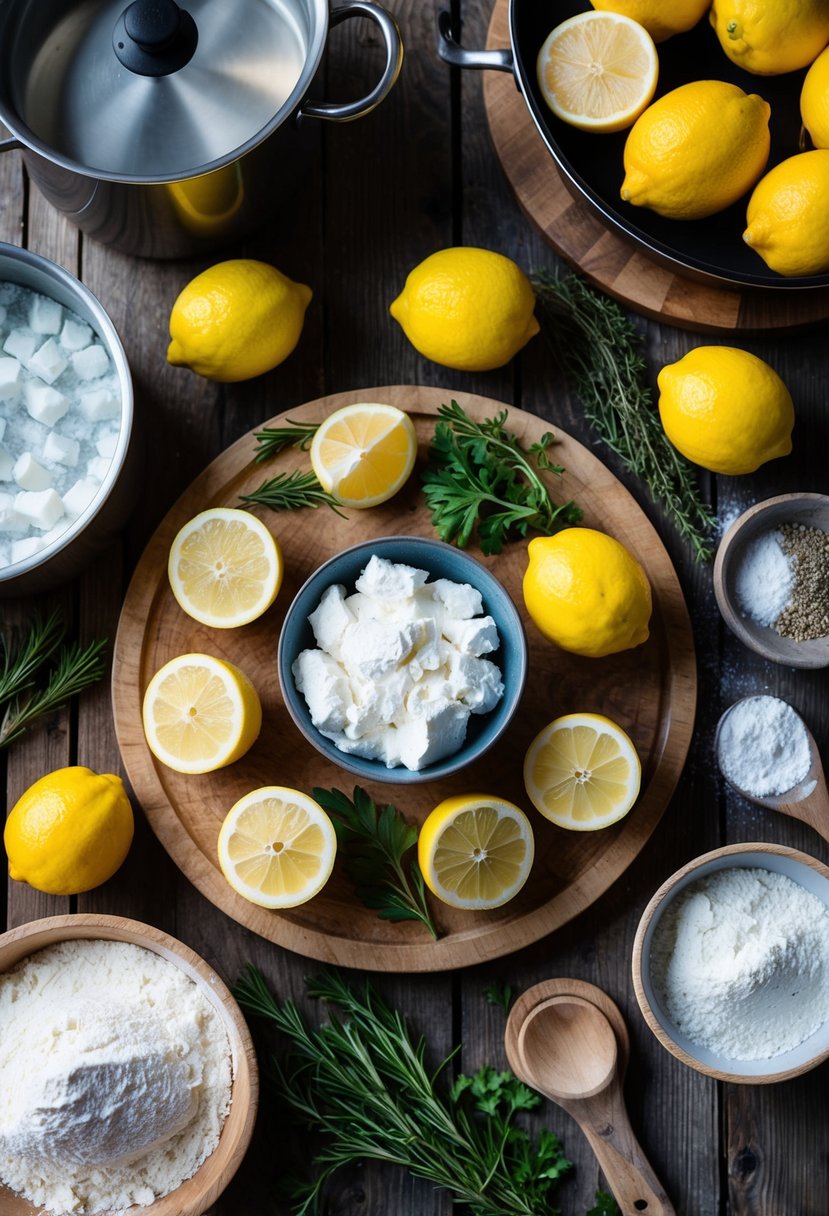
x,y
165,131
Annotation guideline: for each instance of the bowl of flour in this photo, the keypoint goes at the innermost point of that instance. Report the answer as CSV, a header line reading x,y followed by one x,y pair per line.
x,y
128,1078
731,963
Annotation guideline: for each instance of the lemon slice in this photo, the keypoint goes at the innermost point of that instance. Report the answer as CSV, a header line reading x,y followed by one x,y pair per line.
x,y
362,454
598,71
277,847
200,713
225,568
582,772
475,851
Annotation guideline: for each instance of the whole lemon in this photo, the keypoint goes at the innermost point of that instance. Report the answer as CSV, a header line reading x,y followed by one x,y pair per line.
x,y
69,831
696,150
787,218
586,592
725,409
467,308
661,20
236,320
768,37
814,101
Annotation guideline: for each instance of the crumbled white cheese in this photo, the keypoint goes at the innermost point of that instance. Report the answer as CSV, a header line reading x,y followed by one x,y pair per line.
x,y
399,669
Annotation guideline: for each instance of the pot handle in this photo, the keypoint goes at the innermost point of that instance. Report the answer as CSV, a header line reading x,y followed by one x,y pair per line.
x,y
394,59
10,145
451,51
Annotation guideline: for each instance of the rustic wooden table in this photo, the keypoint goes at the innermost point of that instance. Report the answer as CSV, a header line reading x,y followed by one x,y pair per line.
x,y
417,175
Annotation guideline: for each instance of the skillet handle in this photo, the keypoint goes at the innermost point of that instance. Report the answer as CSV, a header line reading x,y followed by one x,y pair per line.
x,y
390,34
9,145
451,51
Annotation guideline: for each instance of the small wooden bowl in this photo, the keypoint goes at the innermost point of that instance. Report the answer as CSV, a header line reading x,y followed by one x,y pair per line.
x,y
195,1194
800,868
809,509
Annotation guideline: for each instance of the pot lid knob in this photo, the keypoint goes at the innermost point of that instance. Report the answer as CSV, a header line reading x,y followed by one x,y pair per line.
x,y
154,37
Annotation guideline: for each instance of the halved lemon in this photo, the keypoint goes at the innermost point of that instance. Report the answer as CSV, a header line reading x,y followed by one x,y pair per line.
x,y
582,772
225,568
475,851
598,71
200,713
277,847
363,453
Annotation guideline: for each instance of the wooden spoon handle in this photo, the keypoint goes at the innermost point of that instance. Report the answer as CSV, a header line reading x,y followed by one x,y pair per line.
x,y
636,1188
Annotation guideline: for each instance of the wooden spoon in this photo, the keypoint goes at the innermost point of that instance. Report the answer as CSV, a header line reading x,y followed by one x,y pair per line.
x,y
807,801
568,1048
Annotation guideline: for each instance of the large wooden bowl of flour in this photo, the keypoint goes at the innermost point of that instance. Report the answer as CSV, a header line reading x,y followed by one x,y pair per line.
x,y
197,1193
731,963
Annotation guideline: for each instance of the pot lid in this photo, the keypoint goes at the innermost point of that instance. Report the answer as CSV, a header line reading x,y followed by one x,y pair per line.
x,y
151,90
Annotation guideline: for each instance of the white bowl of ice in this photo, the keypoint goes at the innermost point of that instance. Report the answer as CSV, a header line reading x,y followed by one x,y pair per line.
x,y
67,450
755,1015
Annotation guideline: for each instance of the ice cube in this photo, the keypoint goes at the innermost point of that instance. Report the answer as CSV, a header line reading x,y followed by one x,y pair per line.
x,y
21,549
75,335
61,449
44,403
106,444
12,521
98,467
78,497
45,315
29,474
21,343
48,362
99,404
42,508
9,379
91,362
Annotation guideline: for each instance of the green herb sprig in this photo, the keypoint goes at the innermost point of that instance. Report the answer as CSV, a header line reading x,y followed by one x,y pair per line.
x,y
599,352
374,844
364,1082
479,476
23,662
272,440
288,491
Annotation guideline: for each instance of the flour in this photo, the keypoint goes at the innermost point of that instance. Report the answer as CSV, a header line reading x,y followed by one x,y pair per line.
x,y
763,747
114,1077
764,579
740,963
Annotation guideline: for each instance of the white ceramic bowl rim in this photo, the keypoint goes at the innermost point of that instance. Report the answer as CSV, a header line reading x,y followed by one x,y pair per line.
x,y
800,868
40,274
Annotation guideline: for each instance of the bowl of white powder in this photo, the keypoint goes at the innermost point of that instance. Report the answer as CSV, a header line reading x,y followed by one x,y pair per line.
x,y
68,455
731,963
771,579
128,1078
402,659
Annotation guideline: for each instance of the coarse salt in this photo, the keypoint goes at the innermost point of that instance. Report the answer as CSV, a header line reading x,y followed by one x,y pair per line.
x,y
764,579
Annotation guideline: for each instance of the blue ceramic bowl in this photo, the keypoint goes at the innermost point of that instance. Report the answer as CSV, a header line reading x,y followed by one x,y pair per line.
x,y
441,561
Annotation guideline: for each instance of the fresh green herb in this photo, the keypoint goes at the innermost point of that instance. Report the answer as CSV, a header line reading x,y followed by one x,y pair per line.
x,y
364,1083
23,663
274,439
500,994
288,491
605,1205
479,476
599,351
374,844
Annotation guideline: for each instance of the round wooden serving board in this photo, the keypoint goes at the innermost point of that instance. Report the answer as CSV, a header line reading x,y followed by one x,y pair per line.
x,y
650,691
610,261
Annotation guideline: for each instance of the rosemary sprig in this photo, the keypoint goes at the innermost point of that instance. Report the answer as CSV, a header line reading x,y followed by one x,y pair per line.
x,y
363,1081
288,491
274,439
479,476
23,660
374,844
599,351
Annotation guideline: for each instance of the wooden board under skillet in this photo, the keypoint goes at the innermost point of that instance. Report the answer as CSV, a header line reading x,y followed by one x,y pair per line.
x,y
650,691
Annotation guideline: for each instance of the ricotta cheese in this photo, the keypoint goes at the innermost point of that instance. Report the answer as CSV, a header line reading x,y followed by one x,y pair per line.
x,y
399,667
